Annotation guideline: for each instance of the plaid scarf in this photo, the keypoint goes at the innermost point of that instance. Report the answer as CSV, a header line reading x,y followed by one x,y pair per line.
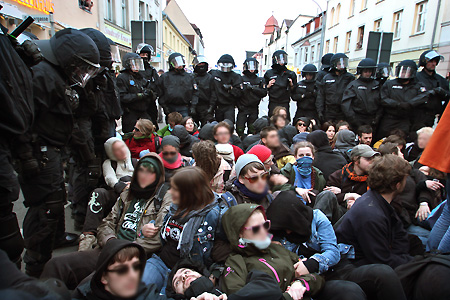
x,y
347,171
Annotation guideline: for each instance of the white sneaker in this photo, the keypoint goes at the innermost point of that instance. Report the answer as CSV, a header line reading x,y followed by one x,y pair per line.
x,y
87,242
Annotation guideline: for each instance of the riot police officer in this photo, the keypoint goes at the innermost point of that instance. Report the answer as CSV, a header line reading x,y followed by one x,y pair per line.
x,y
280,82
254,91
206,93
332,87
228,86
361,101
399,96
135,94
151,75
177,88
384,71
425,114
71,58
325,66
305,94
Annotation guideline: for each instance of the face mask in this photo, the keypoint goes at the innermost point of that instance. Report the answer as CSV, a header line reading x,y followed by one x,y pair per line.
x,y
261,245
198,287
172,159
201,69
304,165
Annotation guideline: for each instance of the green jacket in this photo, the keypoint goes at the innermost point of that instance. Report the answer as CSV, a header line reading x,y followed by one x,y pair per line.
x,y
319,181
276,261
164,131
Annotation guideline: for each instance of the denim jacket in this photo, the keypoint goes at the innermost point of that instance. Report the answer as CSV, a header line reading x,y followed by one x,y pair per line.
x,y
210,228
323,240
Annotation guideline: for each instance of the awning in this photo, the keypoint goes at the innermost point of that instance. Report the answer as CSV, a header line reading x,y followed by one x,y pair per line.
x,y
12,11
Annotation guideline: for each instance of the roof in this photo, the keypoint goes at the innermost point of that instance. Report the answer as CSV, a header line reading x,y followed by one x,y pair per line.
x,y
271,24
288,22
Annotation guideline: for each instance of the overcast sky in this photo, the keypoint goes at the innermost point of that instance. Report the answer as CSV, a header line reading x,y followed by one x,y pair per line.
x,y
234,26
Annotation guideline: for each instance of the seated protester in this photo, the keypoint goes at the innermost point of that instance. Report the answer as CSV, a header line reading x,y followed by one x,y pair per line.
x,y
226,152
258,125
326,159
308,181
414,203
372,226
186,140
309,234
191,279
281,153
299,137
287,134
171,157
190,229
302,124
235,140
348,184
222,135
250,184
342,125
365,135
345,141
118,274
396,137
414,150
246,227
281,111
136,217
265,156
206,132
330,129
217,170
436,183
173,119
278,121
190,126
142,138
117,172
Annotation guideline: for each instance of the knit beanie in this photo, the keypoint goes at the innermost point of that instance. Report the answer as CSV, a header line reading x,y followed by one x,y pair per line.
x,y
261,151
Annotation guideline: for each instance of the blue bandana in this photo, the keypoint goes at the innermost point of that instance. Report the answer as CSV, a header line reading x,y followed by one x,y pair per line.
x,y
304,165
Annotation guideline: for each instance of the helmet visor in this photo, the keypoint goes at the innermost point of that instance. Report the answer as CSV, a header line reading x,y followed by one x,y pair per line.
x,y
251,65
385,72
83,71
433,55
137,64
281,59
226,67
115,54
198,60
341,63
142,45
177,62
312,75
405,72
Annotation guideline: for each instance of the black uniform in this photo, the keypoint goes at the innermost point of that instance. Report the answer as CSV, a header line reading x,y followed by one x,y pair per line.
x,y
178,91
16,116
152,77
329,99
361,103
280,92
228,87
248,104
398,101
206,97
424,114
321,74
306,94
135,103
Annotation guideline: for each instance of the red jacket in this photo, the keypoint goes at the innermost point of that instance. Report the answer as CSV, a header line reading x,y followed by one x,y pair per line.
x,y
137,145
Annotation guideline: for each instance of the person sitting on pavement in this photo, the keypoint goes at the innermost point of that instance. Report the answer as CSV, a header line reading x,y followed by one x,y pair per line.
x,y
282,154
222,135
186,140
171,157
413,151
345,141
330,129
258,125
174,118
191,127
365,134
142,138
278,121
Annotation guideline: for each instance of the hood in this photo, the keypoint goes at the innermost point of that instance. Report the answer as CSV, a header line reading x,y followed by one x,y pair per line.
x,y
188,264
108,148
231,124
345,139
300,137
260,123
181,132
287,133
206,132
318,138
161,165
102,44
109,250
234,219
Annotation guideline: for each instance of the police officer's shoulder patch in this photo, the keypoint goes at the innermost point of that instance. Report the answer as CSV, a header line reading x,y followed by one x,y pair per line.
x,y
217,78
132,82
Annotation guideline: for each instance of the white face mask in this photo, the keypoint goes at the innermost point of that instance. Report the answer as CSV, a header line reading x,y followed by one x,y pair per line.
x,y
261,245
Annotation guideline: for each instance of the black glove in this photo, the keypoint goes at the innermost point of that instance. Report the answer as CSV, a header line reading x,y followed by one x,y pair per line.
x,y
148,93
440,91
30,167
405,105
193,111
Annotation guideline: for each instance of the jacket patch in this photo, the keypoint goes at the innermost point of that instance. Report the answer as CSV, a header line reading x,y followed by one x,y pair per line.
x,y
217,78
397,87
330,81
361,87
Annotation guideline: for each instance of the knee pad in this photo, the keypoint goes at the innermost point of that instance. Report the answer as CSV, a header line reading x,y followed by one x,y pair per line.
x,y
11,240
55,206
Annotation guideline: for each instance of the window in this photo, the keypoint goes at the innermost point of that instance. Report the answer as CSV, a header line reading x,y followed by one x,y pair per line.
x,y
360,42
109,10
318,47
124,14
421,9
141,10
85,5
396,26
306,54
364,5
352,8
265,59
332,17
338,12
312,53
348,38
377,25
335,45
327,46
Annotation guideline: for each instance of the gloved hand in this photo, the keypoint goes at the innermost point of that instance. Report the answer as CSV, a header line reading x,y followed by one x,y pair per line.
x,y
148,93
210,111
405,105
30,167
193,111
228,87
439,91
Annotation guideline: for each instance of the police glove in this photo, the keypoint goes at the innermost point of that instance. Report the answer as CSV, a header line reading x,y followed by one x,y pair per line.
x,y
439,91
228,87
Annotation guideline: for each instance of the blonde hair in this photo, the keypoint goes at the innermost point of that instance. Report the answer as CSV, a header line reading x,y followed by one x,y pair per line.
x,y
425,130
146,126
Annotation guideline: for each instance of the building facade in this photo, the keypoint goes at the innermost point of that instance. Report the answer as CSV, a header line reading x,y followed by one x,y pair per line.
x,y
175,41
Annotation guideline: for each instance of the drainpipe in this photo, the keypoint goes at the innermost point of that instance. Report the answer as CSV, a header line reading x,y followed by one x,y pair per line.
x,y
435,24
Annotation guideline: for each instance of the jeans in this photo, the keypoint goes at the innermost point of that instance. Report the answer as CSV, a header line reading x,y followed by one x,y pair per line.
x,y
327,202
420,232
156,272
439,238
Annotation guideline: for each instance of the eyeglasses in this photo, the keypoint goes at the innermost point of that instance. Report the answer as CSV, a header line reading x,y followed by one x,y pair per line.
x,y
124,269
169,153
254,179
255,229
136,129
301,124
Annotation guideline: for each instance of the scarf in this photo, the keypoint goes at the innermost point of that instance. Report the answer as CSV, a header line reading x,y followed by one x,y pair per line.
x,y
249,194
172,165
143,193
348,171
304,165
192,221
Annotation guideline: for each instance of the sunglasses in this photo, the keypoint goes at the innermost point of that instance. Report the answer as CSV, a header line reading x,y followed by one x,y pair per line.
x,y
301,124
255,229
169,153
254,179
124,269
136,129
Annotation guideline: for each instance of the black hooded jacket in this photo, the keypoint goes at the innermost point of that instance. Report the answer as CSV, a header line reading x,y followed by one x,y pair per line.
x,y
186,140
326,160
259,124
281,91
177,87
227,97
331,89
206,90
131,84
305,94
431,82
254,90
